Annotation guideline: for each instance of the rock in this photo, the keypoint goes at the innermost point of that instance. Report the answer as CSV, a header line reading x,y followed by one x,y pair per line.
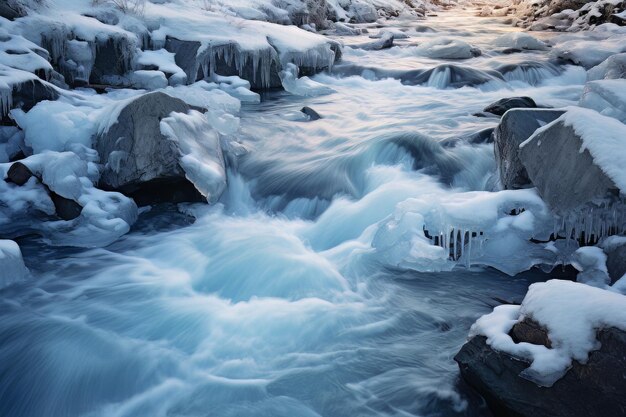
x,y
65,208
11,9
113,59
143,155
615,250
362,12
134,151
26,94
612,68
19,174
195,65
516,126
505,104
313,115
565,177
594,389
530,331
385,42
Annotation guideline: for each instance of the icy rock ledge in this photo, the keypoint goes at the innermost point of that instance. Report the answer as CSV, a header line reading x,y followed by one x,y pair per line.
x,y
561,353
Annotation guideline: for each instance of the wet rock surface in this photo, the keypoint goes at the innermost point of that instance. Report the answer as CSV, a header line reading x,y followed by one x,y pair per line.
x,y
594,389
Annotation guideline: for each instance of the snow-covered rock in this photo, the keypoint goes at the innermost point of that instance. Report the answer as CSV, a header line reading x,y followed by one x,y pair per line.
x,y
384,42
152,153
615,249
576,159
567,360
505,104
515,127
302,86
447,48
590,261
613,67
12,268
607,97
520,40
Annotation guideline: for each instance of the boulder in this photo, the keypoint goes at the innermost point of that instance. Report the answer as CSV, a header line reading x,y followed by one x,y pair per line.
x,y
313,115
11,9
19,174
112,61
505,104
25,94
565,177
134,151
161,150
615,250
362,12
594,389
65,208
516,126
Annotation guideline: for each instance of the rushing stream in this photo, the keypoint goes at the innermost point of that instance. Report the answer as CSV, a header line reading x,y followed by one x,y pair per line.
x,y
273,302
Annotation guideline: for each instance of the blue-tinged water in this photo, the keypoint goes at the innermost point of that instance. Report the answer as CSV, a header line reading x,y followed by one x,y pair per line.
x,y
273,302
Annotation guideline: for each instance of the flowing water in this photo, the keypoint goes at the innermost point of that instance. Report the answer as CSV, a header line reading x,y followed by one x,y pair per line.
x,y
275,302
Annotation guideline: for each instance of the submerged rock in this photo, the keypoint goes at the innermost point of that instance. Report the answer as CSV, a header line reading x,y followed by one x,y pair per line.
x,y
516,126
503,105
589,390
313,115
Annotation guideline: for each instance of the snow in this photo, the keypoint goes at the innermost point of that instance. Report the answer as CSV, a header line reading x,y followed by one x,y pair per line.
x,y
604,137
12,268
591,262
571,312
607,97
201,158
147,79
164,61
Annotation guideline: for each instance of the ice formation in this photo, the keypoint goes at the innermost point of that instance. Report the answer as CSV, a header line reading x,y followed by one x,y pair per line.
x,y
12,268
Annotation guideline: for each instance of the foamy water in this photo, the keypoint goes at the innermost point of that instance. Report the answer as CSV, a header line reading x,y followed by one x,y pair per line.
x,y
279,300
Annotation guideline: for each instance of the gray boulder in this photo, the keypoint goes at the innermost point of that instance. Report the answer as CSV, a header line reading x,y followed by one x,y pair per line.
x,y
503,105
362,12
11,9
595,389
565,177
516,126
615,250
138,159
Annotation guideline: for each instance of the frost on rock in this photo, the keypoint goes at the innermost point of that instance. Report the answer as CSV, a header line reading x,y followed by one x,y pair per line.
x,y
571,312
12,268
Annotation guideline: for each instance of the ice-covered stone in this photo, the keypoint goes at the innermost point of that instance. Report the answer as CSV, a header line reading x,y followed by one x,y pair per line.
x,y
520,40
447,48
12,268
516,126
385,42
615,249
607,97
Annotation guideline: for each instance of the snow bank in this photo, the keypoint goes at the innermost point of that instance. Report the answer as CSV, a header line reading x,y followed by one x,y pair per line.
x,y
571,312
